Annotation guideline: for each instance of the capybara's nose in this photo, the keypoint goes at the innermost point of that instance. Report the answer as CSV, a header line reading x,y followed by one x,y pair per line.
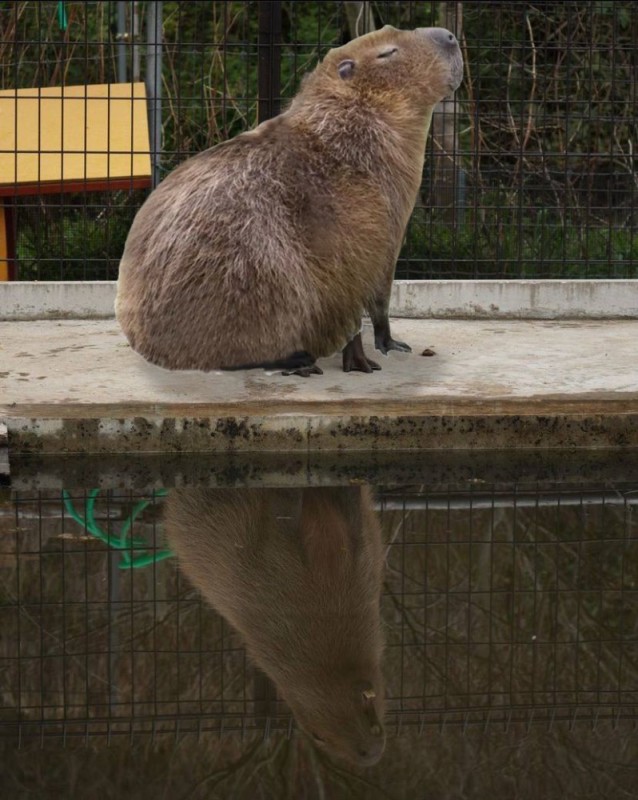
x,y
370,754
442,37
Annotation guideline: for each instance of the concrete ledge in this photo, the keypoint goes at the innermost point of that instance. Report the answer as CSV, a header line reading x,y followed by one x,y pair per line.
x,y
32,300
416,429
514,299
77,387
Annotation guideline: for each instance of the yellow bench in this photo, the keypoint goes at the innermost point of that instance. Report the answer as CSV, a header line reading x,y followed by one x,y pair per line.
x,y
69,139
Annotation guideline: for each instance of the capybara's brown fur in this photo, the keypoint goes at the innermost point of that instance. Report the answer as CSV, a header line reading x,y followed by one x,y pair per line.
x,y
276,241
298,574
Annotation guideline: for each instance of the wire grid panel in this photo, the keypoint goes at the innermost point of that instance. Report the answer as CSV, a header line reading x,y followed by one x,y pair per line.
x,y
514,612
116,650
492,616
529,171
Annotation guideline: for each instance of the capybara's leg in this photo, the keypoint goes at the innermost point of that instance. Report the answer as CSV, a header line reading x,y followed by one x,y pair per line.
x,y
383,340
378,310
355,359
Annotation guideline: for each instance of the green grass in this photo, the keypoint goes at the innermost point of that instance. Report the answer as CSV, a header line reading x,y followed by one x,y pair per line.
x,y
498,250
84,239
76,242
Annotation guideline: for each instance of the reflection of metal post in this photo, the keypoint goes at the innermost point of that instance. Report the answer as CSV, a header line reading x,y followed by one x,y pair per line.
x,y
122,39
154,83
114,639
265,697
269,69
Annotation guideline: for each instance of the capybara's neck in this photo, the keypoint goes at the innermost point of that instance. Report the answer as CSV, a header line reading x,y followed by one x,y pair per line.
x,y
371,133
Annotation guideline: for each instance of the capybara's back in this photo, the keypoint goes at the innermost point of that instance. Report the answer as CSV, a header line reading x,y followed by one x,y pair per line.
x,y
276,241
215,270
298,574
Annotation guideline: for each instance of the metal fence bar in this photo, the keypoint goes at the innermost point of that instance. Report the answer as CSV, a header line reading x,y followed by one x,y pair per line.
x,y
154,16
269,65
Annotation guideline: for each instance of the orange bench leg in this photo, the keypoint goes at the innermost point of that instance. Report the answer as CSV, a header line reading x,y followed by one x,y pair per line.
x,y
7,244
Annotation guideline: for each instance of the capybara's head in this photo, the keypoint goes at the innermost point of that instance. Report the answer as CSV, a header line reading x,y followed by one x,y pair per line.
x,y
423,66
344,716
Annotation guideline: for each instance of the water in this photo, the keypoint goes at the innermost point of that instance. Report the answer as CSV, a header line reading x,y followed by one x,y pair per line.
x,y
508,608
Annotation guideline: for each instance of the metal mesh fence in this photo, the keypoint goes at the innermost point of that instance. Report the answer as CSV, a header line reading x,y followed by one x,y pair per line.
x,y
530,172
502,606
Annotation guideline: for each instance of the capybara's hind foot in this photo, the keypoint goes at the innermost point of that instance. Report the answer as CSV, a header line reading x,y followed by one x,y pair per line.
x,y
296,360
355,359
304,372
300,359
301,363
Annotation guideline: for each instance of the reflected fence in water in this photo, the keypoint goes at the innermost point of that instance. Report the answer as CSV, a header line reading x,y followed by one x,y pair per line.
x,y
502,605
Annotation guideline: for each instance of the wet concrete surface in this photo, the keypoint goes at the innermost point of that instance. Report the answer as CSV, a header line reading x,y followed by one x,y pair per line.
x,y
76,386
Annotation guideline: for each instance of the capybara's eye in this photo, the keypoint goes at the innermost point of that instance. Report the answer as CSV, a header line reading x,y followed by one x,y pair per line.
x,y
389,52
316,737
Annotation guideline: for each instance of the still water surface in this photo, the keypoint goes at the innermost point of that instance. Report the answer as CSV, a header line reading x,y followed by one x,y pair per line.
x,y
447,641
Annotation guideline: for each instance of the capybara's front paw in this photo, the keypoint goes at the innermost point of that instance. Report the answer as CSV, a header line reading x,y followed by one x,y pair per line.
x,y
385,343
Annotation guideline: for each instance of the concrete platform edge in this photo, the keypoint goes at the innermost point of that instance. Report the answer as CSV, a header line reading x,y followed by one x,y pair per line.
x,y
298,434
454,299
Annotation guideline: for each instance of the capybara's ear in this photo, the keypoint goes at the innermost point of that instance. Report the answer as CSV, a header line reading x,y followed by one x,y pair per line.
x,y
346,69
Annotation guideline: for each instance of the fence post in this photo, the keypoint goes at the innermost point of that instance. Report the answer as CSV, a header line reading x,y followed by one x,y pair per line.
x,y
135,45
269,64
448,181
265,698
122,39
154,84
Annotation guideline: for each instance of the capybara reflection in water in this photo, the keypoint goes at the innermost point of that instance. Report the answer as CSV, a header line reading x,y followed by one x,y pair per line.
x,y
267,249
298,574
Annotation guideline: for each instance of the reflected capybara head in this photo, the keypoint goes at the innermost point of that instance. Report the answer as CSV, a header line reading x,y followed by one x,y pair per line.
x,y
344,718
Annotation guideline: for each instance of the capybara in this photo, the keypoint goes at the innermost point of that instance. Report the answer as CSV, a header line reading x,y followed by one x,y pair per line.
x,y
298,574
266,249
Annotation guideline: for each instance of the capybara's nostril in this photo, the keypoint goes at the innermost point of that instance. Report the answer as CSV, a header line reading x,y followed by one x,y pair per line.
x,y
440,36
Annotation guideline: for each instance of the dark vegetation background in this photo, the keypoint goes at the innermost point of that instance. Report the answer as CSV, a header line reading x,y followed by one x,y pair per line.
x,y
531,173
